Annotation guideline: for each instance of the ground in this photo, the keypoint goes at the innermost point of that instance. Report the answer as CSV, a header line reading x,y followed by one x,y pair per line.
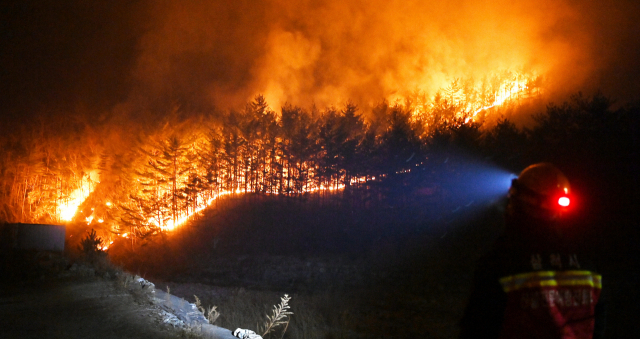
x,y
78,308
75,302
346,280
354,275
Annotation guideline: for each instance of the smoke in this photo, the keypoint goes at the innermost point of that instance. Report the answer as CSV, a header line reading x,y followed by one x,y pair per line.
x,y
202,54
329,52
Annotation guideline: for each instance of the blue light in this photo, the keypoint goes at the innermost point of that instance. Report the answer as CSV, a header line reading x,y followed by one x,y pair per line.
x,y
484,182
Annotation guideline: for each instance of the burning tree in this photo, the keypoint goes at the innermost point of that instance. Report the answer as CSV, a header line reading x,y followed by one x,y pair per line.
x,y
154,183
45,177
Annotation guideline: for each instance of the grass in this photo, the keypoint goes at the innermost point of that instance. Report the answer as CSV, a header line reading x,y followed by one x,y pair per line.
x,y
351,273
245,309
211,314
278,317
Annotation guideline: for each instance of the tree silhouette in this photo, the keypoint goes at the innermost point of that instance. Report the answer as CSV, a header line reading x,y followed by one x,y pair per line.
x,y
400,144
505,145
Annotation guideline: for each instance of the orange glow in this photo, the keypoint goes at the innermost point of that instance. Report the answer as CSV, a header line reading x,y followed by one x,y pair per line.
x,y
106,246
68,209
170,225
508,90
367,51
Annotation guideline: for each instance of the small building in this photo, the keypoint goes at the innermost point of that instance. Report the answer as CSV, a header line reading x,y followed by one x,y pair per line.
x,y
38,237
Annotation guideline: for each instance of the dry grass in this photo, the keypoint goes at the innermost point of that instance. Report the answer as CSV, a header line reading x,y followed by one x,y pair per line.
x,y
350,273
211,313
242,308
278,317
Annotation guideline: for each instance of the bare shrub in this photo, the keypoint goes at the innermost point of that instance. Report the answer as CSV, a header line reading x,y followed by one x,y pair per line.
x,y
244,308
211,313
278,317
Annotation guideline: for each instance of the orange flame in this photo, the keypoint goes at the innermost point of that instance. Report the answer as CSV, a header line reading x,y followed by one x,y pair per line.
x,y
69,208
170,225
507,90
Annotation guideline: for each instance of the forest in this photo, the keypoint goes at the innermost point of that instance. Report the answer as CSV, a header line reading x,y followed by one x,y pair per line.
x,y
139,177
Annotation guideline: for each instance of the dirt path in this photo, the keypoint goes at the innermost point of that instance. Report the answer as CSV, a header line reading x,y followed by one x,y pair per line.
x,y
79,307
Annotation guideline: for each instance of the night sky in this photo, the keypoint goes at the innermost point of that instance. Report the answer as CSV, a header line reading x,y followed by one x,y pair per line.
x,y
77,57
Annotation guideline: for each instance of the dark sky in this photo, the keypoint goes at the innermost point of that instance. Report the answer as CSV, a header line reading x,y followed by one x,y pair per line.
x,y
69,56
56,55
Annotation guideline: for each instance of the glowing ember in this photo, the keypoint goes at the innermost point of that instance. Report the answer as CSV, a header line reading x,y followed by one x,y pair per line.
x,y
106,246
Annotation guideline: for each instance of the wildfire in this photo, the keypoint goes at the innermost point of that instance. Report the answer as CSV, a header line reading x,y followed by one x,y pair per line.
x,y
106,246
171,225
87,184
467,101
508,89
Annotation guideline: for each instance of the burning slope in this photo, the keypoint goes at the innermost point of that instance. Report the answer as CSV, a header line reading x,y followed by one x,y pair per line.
x,y
69,207
169,189
459,57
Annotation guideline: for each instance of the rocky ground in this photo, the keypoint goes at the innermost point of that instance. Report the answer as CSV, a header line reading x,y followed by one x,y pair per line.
x,y
51,299
78,308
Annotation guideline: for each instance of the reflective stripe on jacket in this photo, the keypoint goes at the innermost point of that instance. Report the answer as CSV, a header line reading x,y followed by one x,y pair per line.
x,y
550,304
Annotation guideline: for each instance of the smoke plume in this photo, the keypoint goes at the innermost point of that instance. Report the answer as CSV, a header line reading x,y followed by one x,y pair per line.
x,y
202,54
328,52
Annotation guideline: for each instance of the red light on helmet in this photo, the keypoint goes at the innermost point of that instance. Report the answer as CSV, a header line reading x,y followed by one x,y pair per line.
x,y
564,201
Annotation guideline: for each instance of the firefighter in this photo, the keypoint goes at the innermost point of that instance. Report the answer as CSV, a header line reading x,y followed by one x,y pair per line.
x,y
537,281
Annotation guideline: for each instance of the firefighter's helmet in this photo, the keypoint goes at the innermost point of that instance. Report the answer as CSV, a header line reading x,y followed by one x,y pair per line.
x,y
541,187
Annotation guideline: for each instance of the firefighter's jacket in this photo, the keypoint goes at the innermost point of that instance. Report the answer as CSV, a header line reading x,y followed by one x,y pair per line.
x,y
536,282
